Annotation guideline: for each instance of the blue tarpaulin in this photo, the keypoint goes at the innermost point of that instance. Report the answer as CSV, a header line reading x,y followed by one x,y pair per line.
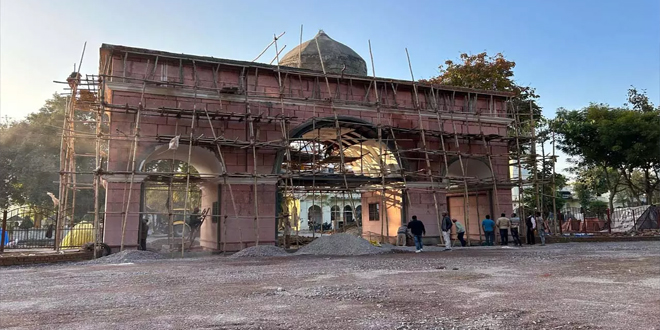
x,y
5,237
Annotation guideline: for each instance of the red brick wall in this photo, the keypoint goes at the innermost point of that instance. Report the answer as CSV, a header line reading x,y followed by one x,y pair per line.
x,y
264,83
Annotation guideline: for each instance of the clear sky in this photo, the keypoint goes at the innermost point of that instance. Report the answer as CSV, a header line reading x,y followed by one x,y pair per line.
x,y
572,52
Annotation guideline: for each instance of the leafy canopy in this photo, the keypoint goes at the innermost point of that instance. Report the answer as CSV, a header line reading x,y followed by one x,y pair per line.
x,y
625,139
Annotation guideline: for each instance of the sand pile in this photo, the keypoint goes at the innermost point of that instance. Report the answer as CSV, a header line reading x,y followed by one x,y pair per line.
x,y
261,251
341,245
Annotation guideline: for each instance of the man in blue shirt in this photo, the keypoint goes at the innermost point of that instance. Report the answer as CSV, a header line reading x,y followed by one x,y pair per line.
x,y
488,226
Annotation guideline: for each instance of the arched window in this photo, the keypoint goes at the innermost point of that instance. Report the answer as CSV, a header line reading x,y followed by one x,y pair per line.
x,y
335,213
314,214
348,213
358,213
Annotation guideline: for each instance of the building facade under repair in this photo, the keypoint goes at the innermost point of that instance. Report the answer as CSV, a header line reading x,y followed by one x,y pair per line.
x,y
258,135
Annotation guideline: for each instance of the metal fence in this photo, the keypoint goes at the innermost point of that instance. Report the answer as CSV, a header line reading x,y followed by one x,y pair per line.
x,y
620,220
27,228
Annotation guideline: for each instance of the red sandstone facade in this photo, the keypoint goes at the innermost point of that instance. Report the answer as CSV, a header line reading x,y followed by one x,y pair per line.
x,y
169,90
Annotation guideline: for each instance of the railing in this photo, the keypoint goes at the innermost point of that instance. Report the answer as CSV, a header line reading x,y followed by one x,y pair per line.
x,y
620,220
34,228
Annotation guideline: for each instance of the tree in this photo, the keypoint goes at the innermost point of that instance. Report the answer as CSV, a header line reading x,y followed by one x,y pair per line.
x,y
545,195
27,223
494,73
599,180
30,157
485,72
624,139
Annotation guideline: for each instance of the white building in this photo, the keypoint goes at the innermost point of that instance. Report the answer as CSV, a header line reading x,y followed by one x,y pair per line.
x,y
515,191
334,209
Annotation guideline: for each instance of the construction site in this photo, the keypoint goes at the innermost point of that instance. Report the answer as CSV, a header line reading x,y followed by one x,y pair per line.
x,y
239,144
273,195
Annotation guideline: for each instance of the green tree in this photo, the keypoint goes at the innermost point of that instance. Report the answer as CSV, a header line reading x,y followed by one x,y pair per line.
x,y
597,208
599,180
485,72
496,73
30,162
27,223
624,139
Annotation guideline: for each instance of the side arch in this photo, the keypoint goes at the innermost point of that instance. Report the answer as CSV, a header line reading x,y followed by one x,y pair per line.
x,y
203,160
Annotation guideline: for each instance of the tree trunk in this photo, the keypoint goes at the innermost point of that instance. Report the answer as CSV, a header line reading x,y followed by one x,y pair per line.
x,y
648,187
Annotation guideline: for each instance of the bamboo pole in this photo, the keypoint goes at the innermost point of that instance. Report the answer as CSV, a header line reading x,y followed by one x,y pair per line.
x,y
381,163
466,198
534,159
488,149
554,187
336,117
521,205
223,164
132,164
429,169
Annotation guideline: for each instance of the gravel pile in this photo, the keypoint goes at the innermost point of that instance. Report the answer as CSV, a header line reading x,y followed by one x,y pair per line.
x,y
341,245
260,251
127,256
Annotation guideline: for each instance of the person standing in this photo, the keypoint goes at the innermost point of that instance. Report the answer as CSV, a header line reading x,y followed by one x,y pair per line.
x,y
503,223
530,222
460,232
417,229
401,236
446,230
515,226
542,226
488,225
143,232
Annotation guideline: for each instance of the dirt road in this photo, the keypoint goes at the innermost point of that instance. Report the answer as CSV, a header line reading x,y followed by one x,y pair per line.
x,y
560,286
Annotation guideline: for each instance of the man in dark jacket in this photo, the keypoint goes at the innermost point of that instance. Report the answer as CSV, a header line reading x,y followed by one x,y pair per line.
x,y
446,230
143,232
417,229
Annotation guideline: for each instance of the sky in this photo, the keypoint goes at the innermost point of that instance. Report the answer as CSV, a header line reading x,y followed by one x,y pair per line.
x,y
572,52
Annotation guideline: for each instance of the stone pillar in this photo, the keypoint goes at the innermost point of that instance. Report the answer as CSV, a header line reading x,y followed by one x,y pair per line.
x,y
118,189
208,236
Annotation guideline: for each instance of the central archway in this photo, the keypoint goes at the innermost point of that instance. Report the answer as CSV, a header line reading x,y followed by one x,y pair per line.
x,y
202,197
319,148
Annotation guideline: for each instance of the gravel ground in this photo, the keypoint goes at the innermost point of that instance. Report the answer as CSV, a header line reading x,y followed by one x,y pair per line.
x,y
341,245
260,251
128,256
559,286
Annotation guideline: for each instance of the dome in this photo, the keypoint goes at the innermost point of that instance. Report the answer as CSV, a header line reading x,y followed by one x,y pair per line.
x,y
337,57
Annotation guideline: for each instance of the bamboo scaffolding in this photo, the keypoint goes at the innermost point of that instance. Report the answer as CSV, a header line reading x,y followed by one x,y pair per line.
x,y
380,98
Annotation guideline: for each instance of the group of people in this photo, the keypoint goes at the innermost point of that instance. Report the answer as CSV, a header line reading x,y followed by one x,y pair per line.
x,y
534,223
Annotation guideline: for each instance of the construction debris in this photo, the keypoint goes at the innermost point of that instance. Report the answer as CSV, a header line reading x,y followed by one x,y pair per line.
x,y
260,251
341,245
128,256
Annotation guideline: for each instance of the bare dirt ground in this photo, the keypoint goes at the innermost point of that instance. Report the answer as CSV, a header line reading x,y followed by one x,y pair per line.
x,y
560,286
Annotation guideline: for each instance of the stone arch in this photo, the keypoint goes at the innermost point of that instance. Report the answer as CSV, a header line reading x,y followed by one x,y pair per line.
x,y
348,213
315,214
364,128
203,160
335,213
475,167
